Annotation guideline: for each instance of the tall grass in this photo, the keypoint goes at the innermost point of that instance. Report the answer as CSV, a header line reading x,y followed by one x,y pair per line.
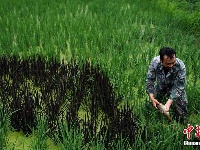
x,y
122,36
40,135
4,122
69,137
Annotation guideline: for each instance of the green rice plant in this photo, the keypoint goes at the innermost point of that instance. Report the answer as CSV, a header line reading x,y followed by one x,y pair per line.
x,y
40,134
4,122
122,37
70,138
96,144
121,143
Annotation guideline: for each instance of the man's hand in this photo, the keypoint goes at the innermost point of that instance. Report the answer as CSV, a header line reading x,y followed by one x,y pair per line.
x,y
153,100
168,104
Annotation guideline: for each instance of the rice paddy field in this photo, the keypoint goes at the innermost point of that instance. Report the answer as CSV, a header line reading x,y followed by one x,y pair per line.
x,y
73,73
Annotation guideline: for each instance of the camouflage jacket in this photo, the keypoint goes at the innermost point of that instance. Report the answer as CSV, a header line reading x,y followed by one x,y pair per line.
x,y
173,82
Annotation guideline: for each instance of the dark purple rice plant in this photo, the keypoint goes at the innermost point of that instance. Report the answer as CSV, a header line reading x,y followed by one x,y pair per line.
x,y
35,86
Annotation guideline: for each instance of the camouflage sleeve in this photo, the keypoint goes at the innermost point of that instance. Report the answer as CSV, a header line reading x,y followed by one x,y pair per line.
x,y
179,85
151,77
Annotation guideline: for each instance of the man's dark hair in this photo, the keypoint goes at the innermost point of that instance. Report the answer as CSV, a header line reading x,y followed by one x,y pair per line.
x,y
169,52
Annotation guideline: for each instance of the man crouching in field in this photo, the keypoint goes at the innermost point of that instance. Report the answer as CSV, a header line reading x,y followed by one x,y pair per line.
x,y
169,73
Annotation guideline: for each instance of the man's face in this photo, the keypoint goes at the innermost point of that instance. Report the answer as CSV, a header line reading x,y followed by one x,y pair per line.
x,y
167,62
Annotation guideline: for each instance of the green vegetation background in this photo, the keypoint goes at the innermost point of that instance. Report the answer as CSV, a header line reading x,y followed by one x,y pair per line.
x,y
121,35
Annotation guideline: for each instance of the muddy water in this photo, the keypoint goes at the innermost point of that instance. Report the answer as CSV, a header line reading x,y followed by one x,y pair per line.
x,y
17,141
